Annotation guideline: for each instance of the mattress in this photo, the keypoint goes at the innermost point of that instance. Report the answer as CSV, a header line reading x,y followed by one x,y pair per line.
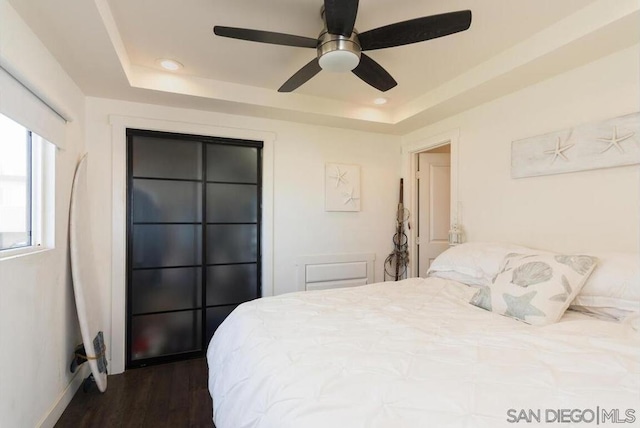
x,y
415,354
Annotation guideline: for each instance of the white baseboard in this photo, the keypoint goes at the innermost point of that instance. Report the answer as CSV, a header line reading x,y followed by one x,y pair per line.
x,y
50,418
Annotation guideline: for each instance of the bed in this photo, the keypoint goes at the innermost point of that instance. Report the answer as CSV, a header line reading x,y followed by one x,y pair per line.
x,y
415,353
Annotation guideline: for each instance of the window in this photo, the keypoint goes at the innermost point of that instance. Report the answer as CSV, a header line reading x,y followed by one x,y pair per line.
x,y
22,187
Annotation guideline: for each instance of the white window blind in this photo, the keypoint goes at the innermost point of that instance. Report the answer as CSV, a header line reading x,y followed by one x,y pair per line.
x,y
20,104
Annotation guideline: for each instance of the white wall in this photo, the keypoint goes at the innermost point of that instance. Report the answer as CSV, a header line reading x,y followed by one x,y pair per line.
x,y
301,226
38,323
581,211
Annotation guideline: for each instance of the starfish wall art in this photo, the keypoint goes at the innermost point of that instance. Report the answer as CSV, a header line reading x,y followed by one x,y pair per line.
x,y
613,142
342,187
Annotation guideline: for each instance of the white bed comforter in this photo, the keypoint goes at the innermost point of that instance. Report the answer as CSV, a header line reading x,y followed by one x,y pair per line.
x,y
413,354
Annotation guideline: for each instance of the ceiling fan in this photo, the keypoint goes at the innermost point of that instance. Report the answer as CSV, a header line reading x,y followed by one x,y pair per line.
x,y
340,47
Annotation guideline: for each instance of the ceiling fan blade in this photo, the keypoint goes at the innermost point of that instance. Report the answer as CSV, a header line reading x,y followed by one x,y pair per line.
x,y
415,30
373,74
340,16
301,76
265,37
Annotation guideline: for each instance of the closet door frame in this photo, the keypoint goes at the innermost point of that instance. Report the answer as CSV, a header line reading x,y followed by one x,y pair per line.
x,y
204,141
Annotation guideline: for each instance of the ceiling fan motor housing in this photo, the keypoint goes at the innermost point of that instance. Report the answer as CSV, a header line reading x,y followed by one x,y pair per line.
x,y
338,53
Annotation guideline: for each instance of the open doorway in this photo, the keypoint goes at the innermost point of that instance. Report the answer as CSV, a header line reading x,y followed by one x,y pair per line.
x,y
433,185
410,159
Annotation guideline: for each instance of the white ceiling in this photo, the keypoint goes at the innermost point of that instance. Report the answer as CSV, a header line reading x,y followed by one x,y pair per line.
x,y
110,48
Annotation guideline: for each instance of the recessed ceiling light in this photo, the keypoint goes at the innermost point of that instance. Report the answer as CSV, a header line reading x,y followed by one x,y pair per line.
x,y
380,101
169,64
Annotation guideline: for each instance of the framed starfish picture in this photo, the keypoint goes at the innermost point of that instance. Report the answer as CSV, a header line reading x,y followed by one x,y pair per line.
x,y
605,144
341,187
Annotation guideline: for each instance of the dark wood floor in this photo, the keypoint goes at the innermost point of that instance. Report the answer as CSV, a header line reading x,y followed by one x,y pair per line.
x,y
168,395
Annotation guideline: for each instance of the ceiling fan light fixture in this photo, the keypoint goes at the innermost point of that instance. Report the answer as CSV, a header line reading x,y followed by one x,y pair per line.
x,y
338,53
339,61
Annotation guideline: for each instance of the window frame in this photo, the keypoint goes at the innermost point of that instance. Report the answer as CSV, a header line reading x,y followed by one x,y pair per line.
x,y
41,200
30,188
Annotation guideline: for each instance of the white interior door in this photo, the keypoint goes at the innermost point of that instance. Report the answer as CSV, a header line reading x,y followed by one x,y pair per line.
x,y
434,202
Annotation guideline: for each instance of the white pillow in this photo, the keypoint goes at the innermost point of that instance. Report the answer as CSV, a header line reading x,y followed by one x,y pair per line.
x,y
614,287
479,260
535,288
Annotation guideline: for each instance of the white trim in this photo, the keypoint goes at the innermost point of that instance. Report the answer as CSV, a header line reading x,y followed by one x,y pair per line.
x,y
43,192
119,125
21,252
409,152
38,207
50,418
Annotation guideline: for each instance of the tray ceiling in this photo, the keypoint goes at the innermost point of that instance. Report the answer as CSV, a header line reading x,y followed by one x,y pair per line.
x,y
111,47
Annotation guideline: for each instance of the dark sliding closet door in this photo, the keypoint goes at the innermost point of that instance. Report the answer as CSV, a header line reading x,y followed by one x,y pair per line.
x,y
193,240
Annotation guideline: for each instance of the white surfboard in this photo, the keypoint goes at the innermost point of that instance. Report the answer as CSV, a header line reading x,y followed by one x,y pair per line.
x,y
83,271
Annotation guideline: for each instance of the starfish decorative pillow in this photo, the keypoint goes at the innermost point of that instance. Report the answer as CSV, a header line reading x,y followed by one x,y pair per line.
x,y
535,288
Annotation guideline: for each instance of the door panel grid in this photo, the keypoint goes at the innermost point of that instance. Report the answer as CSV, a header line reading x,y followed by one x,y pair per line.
x,y
193,240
